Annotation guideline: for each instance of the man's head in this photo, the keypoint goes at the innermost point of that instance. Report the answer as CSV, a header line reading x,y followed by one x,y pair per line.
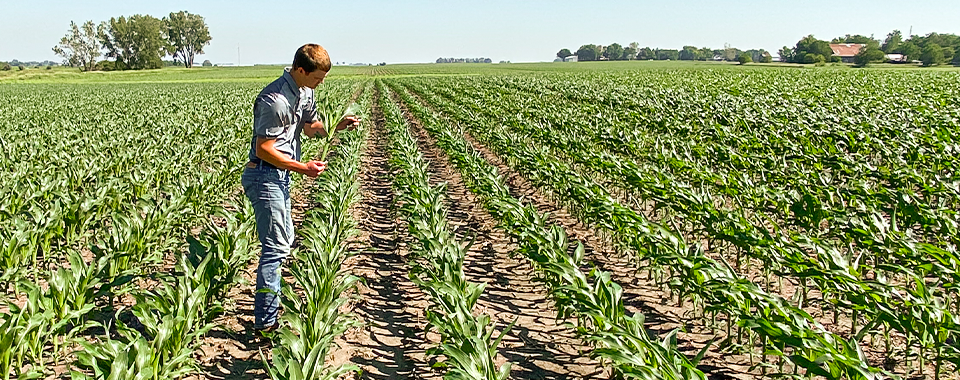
x,y
310,65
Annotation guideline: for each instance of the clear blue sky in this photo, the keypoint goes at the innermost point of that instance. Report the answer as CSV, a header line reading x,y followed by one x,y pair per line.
x,y
519,31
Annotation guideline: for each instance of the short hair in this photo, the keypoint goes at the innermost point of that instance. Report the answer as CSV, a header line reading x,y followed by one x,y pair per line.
x,y
311,57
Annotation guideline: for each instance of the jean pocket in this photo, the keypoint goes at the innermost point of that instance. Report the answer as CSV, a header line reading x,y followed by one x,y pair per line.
x,y
271,191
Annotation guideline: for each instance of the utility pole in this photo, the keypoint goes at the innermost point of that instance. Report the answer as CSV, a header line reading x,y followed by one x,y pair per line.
x,y
238,54
911,32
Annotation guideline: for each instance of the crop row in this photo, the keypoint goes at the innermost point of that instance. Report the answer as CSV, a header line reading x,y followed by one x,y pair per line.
x,y
467,341
312,316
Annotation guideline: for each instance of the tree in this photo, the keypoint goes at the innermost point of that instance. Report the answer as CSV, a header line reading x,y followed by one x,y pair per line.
x,y
856,39
893,41
932,55
910,50
614,52
810,46
767,58
564,53
956,58
134,43
186,36
729,53
744,58
706,54
786,54
689,53
631,51
589,53
668,54
943,40
80,47
948,53
207,63
867,55
646,54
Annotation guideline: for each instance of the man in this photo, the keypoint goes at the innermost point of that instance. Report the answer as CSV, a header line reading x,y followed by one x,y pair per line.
x,y
281,112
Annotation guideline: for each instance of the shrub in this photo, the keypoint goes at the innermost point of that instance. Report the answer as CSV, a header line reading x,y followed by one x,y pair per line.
x,y
105,66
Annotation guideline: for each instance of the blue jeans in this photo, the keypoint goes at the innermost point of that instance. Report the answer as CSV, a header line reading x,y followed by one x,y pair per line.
x,y
269,191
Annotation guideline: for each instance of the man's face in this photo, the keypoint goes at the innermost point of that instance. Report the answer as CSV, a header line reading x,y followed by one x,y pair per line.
x,y
313,79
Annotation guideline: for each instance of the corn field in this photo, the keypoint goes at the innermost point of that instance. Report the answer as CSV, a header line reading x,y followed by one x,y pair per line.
x,y
677,224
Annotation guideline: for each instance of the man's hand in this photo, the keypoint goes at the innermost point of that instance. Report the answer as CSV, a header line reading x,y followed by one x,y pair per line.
x,y
349,123
314,168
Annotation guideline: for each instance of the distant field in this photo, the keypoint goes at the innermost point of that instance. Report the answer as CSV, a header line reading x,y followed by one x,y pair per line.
x,y
267,73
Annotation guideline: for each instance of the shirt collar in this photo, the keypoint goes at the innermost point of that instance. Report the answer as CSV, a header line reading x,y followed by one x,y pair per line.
x,y
290,82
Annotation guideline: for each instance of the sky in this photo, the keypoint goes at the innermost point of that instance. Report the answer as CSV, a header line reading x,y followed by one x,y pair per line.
x,y
371,31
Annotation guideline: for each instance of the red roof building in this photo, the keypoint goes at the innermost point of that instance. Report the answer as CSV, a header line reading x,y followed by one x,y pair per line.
x,y
846,52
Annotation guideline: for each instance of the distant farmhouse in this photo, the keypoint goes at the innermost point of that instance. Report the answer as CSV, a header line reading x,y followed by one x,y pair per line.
x,y
846,52
896,58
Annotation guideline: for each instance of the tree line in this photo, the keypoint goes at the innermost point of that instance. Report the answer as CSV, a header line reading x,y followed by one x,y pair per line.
x,y
134,43
7,66
464,60
633,51
931,50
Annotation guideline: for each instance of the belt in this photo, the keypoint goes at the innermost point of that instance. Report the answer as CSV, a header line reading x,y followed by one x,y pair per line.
x,y
256,163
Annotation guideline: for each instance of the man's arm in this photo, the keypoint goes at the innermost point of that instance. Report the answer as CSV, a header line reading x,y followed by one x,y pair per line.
x,y
267,152
316,128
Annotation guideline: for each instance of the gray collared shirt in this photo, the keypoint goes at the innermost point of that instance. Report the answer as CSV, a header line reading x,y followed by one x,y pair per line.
x,y
280,112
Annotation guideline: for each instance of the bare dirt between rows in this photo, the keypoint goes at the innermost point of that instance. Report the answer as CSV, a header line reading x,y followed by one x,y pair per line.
x,y
539,346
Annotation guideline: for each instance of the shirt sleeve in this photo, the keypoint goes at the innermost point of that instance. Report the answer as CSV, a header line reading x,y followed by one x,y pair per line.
x,y
270,117
310,114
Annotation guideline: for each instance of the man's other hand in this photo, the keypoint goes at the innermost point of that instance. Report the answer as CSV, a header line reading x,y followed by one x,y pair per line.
x,y
314,168
349,123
